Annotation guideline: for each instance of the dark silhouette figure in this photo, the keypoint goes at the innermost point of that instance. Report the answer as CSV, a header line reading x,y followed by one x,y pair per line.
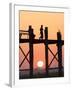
x,y
41,32
31,32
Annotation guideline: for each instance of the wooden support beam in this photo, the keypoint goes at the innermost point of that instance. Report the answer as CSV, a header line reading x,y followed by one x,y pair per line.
x,y
46,49
31,50
25,57
53,59
59,47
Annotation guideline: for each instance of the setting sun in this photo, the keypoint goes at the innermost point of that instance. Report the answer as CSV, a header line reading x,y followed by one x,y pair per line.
x,y
40,64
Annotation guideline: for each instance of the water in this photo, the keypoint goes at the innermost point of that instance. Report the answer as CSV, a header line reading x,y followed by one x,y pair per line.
x,y
53,72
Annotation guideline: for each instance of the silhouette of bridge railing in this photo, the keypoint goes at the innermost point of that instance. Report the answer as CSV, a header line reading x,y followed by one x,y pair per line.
x,y
59,42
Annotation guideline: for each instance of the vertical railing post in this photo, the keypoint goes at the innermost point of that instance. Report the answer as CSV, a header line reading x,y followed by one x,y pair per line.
x,y
31,50
46,49
59,47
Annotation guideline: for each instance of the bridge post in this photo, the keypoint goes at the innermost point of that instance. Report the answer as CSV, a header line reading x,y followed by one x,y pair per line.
x,y
31,50
59,47
46,49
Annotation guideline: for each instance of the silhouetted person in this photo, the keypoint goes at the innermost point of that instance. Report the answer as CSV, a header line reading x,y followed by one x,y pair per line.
x,y
41,32
46,32
32,35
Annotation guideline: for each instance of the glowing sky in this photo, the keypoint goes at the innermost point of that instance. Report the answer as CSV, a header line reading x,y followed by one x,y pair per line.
x,y
54,21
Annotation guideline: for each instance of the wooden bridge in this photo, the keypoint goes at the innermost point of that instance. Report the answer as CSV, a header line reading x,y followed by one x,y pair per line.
x,y
59,42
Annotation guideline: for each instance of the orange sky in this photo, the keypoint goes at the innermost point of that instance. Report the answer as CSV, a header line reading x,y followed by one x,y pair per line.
x,y
54,21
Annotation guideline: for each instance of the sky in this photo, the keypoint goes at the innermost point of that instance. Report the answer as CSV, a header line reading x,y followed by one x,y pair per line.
x,y
54,21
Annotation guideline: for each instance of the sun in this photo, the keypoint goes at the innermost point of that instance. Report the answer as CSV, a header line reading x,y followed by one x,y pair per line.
x,y
40,64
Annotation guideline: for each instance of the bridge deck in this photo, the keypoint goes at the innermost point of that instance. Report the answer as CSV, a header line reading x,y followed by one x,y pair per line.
x,y
38,41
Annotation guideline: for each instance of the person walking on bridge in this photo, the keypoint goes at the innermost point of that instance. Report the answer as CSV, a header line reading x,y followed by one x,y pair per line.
x,y
41,32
